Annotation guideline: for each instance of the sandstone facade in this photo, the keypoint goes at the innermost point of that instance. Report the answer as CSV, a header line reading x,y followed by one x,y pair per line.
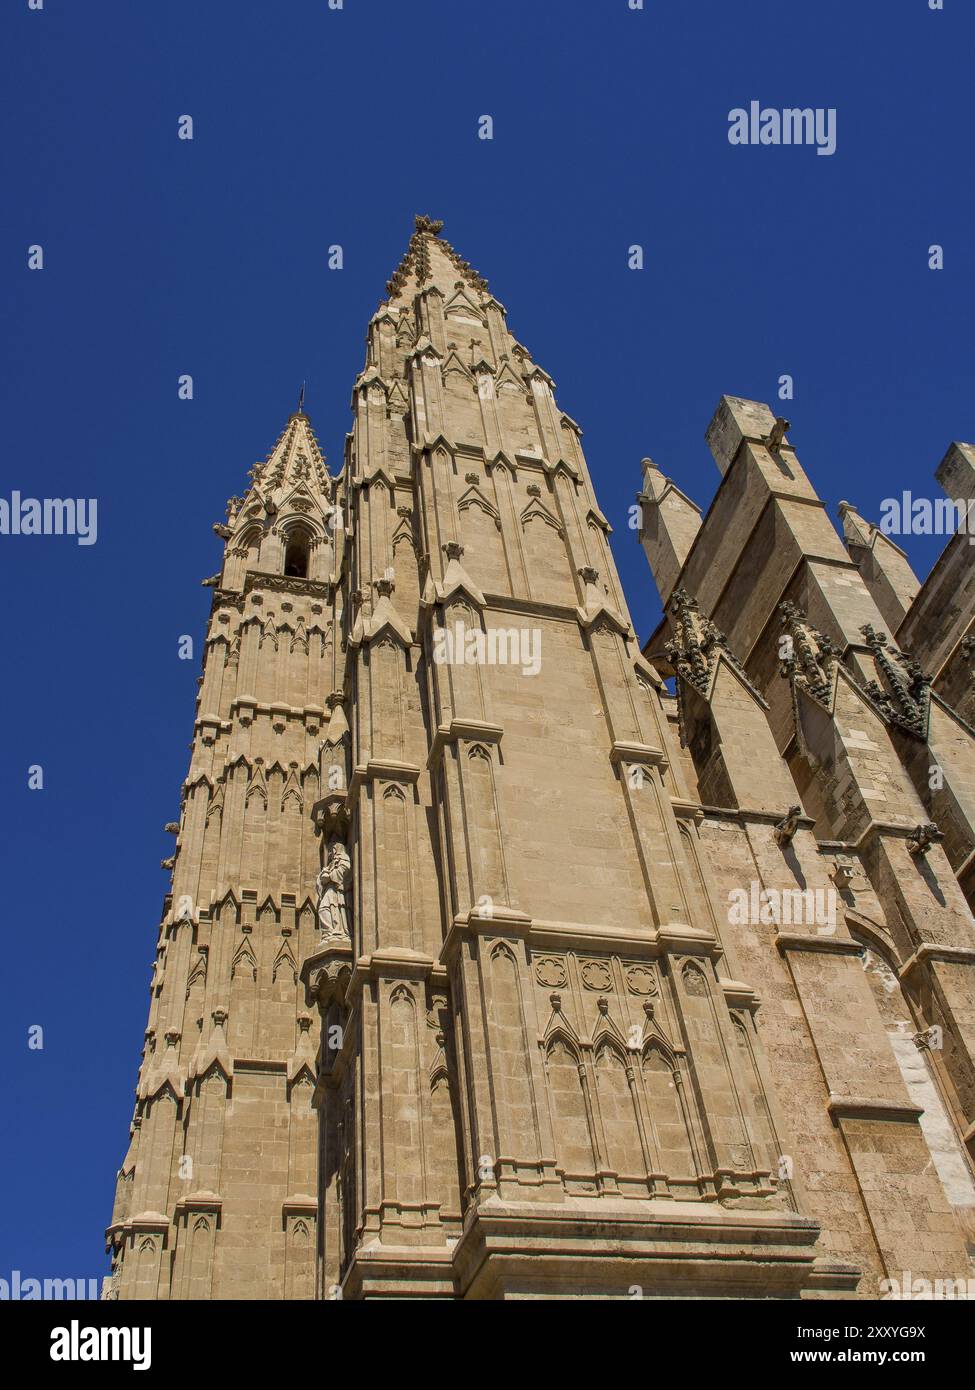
x,y
449,1000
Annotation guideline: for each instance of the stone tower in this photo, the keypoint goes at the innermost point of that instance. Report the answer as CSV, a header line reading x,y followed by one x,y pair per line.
x,y
216,1196
447,1003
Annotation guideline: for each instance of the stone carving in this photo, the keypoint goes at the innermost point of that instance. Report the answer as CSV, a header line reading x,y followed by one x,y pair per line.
x,y
438,1004
694,982
786,828
596,975
641,979
922,838
694,651
550,971
696,643
773,440
810,657
968,656
905,694
333,892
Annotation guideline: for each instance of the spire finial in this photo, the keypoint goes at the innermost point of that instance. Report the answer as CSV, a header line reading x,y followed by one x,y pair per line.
x,y
301,399
423,223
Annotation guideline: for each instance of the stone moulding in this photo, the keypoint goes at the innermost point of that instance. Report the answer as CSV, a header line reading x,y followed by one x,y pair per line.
x,y
460,730
934,951
656,1244
622,752
829,945
381,770
866,1108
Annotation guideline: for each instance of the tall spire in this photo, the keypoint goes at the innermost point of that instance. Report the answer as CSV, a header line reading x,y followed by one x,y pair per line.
x,y
430,258
295,458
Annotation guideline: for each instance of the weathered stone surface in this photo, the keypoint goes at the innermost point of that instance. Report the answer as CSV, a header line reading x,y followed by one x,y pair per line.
x,y
866,1009
450,999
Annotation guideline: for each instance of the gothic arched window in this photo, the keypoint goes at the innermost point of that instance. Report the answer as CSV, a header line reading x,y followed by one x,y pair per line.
x,y
296,555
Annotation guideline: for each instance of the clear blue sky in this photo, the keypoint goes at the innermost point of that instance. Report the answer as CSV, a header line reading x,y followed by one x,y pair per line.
x,y
315,127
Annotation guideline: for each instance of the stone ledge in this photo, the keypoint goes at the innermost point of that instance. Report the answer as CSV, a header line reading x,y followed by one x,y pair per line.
x,y
388,1271
832,945
834,1276
622,752
382,770
930,951
670,1249
471,730
865,1108
738,995
678,937
503,921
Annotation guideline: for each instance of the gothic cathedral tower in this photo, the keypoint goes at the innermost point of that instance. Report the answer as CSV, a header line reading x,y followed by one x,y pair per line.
x,y
441,1005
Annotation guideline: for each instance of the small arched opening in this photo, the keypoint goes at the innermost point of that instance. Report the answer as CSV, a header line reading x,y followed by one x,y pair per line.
x,y
296,555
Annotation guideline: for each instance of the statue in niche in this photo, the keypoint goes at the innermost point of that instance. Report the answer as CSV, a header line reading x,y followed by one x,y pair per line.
x,y
333,892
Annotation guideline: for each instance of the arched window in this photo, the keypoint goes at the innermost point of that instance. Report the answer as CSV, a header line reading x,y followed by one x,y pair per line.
x,y
250,543
296,555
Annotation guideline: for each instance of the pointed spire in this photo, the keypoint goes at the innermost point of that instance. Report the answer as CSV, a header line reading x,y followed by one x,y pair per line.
x,y
885,568
956,472
857,531
295,458
429,258
669,523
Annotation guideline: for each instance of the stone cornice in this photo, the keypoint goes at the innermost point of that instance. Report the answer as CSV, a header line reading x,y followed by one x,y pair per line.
x,y
300,1204
746,815
469,730
394,963
285,584
200,1201
677,938
644,753
938,953
541,934
739,995
829,945
502,921
867,1108
382,770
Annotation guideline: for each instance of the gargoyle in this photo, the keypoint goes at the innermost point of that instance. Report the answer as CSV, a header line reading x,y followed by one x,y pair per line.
x,y
787,826
921,839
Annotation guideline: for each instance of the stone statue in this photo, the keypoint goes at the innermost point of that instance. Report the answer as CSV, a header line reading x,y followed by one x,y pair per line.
x,y
333,887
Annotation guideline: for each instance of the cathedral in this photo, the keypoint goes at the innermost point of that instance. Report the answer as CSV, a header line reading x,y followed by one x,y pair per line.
x,y
505,957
